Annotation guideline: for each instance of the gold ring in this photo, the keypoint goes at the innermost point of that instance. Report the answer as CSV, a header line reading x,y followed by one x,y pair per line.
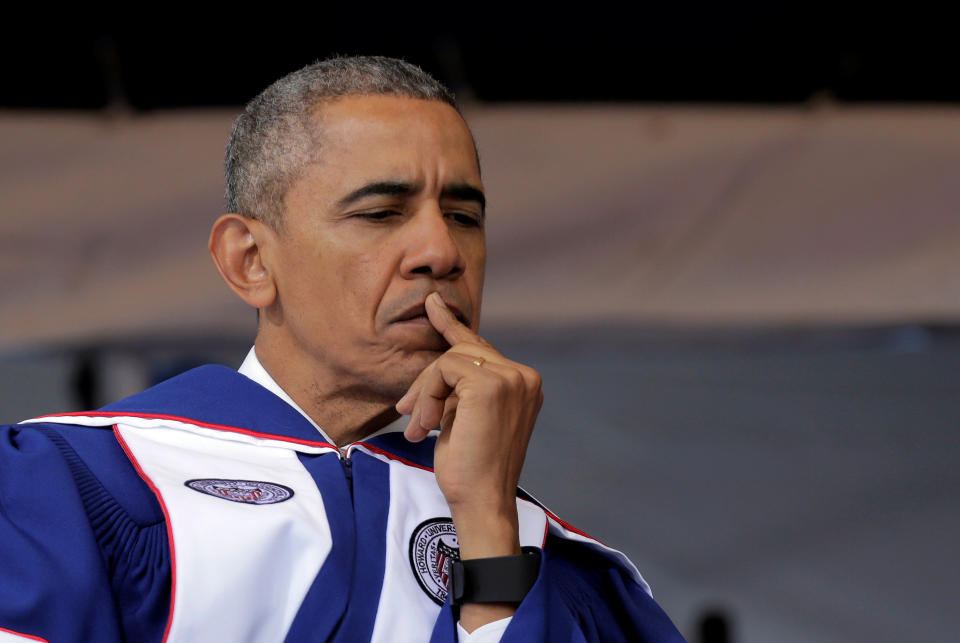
x,y
479,361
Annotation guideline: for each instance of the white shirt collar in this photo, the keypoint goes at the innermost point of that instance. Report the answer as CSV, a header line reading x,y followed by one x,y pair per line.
x,y
253,369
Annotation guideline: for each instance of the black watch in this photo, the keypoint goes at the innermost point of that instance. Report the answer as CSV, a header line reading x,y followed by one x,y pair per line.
x,y
504,579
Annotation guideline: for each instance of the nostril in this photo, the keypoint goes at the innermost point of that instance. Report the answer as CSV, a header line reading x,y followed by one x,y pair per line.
x,y
455,271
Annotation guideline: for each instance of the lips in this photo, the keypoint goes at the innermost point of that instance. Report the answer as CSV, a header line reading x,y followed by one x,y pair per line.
x,y
418,312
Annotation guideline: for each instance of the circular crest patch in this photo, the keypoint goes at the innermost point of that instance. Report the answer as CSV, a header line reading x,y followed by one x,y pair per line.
x,y
250,492
433,547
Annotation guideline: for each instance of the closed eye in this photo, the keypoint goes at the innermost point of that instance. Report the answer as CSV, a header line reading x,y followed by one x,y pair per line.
x,y
466,219
378,215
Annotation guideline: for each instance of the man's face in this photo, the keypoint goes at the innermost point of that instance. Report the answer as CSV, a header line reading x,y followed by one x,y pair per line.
x,y
392,211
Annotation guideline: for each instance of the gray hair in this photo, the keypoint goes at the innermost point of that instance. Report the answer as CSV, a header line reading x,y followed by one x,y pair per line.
x,y
275,138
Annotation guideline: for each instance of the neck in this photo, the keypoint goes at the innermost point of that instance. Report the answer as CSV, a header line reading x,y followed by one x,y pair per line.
x,y
347,412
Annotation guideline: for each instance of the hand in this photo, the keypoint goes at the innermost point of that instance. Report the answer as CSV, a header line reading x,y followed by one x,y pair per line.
x,y
486,406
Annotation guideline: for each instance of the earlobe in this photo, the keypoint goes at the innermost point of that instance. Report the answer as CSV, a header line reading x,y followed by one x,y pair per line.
x,y
236,246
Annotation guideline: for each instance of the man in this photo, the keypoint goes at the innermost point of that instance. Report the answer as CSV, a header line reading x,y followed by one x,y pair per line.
x,y
291,501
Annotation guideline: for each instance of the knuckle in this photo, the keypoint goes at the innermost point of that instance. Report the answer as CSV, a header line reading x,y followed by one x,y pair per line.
x,y
515,378
531,377
535,379
425,373
497,384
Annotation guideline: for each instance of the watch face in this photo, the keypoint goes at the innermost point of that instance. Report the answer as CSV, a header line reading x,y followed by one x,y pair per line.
x,y
433,548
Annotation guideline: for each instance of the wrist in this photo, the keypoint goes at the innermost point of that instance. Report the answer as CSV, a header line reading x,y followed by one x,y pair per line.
x,y
487,534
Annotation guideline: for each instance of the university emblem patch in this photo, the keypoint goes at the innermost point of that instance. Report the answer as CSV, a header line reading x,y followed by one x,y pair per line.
x,y
250,492
433,546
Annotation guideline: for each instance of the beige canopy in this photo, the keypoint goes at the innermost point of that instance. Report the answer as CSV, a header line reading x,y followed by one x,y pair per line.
x,y
648,214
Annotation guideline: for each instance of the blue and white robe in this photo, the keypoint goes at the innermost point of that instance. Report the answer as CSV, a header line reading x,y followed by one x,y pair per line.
x,y
207,509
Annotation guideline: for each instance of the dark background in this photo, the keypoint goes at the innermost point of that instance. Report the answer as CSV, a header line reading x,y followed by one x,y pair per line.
x,y
171,55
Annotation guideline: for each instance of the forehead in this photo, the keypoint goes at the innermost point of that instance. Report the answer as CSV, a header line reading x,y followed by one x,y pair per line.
x,y
366,138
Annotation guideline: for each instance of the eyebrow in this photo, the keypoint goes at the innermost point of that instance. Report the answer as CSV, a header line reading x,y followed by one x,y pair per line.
x,y
464,192
379,188
458,191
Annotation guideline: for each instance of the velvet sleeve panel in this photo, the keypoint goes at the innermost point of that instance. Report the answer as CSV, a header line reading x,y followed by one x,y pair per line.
x,y
77,563
580,596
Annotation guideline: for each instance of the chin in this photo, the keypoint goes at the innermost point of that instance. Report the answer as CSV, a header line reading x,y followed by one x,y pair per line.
x,y
394,379
417,361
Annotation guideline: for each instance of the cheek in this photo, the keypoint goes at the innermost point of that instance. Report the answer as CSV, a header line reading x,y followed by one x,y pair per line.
x,y
315,286
299,276
364,279
476,257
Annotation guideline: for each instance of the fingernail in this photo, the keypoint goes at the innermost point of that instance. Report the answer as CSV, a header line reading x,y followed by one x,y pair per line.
x,y
437,299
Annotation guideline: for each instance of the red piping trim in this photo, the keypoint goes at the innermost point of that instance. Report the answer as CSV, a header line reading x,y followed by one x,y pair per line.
x,y
206,425
391,456
30,637
166,515
570,527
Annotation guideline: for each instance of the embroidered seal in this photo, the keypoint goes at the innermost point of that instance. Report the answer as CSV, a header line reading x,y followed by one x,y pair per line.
x,y
250,492
433,546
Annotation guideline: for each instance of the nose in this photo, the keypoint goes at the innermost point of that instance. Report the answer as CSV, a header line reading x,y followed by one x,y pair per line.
x,y
431,248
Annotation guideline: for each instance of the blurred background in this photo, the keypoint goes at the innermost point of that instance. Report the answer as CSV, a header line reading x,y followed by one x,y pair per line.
x,y
728,237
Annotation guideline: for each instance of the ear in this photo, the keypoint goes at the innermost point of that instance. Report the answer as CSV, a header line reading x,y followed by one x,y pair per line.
x,y
236,245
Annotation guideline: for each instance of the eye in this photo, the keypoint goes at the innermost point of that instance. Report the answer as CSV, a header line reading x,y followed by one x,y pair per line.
x,y
378,215
466,219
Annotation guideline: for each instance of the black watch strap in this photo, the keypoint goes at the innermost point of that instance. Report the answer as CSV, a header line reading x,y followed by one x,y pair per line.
x,y
504,579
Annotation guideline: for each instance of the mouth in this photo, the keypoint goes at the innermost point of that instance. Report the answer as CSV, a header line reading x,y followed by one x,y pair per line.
x,y
418,315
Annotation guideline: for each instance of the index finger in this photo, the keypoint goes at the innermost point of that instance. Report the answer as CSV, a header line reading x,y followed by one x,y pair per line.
x,y
447,324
